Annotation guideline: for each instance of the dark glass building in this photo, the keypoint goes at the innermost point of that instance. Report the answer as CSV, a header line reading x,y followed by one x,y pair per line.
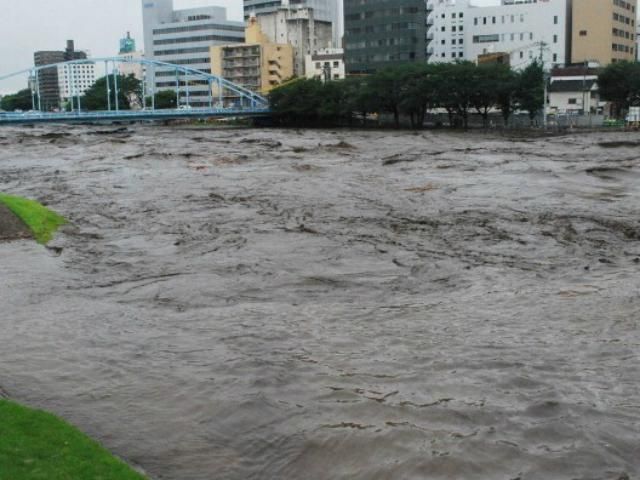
x,y
48,77
380,33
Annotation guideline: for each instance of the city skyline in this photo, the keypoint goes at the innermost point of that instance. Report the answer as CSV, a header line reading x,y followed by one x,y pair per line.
x,y
51,24
56,22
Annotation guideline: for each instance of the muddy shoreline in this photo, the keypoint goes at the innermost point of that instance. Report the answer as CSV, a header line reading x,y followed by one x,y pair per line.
x,y
11,227
255,304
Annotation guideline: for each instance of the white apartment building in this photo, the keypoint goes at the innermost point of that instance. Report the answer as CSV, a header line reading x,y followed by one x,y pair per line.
x,y
525,29
75,79
327,64
184,37
300,28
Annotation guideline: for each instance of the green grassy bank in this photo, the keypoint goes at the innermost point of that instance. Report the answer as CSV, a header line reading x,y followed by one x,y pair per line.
x,y
40,220
36,445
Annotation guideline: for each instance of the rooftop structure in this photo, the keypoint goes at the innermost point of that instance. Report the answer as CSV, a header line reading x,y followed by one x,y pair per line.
x,y
324,11
300,28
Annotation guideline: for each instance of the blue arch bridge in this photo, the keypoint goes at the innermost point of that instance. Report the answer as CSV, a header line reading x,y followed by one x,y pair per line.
x,y
198,94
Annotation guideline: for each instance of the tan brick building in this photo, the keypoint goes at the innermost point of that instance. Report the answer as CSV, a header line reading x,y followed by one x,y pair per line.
x,y
259,64
604,31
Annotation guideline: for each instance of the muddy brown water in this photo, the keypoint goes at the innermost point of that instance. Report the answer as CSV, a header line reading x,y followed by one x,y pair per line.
x,y
256,304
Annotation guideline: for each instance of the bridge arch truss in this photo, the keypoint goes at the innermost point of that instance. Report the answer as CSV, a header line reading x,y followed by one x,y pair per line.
x,y
197,93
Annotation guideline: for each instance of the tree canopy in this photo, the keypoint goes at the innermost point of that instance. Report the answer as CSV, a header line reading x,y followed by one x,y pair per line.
x,y
412,90
619,83
129,93
163,99
21,100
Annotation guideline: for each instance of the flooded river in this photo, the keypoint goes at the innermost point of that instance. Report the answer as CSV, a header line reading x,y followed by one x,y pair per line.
x,y
256,304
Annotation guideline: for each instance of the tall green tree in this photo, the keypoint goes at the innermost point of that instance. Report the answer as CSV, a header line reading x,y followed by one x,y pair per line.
x,y
417,92
488,80
297,102
458,90
359,98
129,93
530,91
21,100
164,99
619,83
506,94
387,88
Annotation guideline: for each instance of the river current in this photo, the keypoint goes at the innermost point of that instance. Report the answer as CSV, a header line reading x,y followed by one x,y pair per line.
x,y
319,305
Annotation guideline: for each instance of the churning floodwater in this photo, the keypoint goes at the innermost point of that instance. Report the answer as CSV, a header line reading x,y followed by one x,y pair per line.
x,y
317,305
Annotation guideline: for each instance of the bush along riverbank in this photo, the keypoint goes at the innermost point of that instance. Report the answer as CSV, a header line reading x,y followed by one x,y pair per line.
x,y
35,445
39,220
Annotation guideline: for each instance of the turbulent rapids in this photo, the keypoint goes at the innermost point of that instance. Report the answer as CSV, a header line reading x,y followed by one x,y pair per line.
x,y
264,304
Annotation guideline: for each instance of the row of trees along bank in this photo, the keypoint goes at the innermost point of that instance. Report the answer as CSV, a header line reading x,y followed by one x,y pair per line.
x,y
460,89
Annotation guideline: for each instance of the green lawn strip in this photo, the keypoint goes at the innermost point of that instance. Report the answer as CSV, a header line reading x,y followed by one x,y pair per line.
x,y
35,445
42,221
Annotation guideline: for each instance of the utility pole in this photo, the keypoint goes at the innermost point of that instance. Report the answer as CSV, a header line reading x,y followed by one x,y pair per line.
x,y
545,79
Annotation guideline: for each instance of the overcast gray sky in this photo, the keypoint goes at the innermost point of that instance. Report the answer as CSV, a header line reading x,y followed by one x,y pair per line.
x,y
95,25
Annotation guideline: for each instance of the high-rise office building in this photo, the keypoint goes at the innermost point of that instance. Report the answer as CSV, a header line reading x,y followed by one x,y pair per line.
x,y
604,31
324,11
48,79
184,37
383,33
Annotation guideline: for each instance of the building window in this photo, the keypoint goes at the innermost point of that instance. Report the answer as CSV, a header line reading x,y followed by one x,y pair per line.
x,y
555,19
583,33
555,39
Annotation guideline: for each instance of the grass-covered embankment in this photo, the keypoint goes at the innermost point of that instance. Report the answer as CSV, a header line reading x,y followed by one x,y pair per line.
x,y
40,220
36,445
